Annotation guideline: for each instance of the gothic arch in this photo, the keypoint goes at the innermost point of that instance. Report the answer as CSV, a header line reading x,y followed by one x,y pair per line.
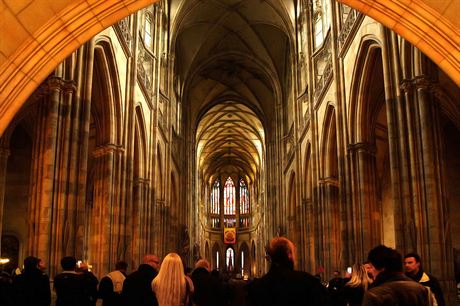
x,y
329,205
361,110
159,174
369,153
141,143
107,113
217,256
244,260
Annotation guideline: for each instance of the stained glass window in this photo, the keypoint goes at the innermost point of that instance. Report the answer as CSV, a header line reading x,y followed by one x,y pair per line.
x,y
244,198
229,197
215,195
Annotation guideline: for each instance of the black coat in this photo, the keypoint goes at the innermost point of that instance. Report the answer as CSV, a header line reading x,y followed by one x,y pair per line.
x,y
74,289
106,293
32,288
137,287
208,290
429,281
282,286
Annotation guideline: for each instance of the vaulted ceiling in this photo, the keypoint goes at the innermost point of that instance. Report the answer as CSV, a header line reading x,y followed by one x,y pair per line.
x,y
232,60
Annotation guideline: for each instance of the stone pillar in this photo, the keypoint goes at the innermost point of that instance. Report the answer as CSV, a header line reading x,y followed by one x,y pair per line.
x,y
104,238
365,213
4,153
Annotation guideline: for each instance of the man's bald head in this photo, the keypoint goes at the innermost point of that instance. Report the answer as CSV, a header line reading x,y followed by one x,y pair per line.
x,y
282,251
203,263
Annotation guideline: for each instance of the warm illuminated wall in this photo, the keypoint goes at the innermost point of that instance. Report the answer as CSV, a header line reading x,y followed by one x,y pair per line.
x,y
36,35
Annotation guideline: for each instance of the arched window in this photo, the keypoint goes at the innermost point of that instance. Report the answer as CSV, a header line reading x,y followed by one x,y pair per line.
x,y
215,195
244,198
229,197
321,20
229,258
148,33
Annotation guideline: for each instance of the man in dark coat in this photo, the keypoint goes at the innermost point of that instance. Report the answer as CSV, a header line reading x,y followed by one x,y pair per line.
x,y
414,270
282,285
111,285
72,288
208,290
391,286
137,287
32,287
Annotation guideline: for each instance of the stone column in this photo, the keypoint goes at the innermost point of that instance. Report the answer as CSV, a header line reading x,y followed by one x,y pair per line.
x,y
103,237
44,172
365,213
4,153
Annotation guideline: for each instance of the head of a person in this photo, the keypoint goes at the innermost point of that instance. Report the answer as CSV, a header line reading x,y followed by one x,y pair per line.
x,y
69,263
359,277
41,265
30,264
336,274
282,252
383,258
169,285
203,263
412,263
121,266
369,269
152,260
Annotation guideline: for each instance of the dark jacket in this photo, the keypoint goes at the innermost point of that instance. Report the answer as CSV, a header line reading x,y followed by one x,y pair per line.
x,y
107,294
32,288
208,290
137,287
283,286
75,289
353,296
396,289
429,280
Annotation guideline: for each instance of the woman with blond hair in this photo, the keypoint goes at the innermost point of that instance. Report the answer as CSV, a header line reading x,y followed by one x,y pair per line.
x,y
354,289
171,286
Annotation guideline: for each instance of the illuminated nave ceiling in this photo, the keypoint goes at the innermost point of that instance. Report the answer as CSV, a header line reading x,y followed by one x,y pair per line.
x,y
232,64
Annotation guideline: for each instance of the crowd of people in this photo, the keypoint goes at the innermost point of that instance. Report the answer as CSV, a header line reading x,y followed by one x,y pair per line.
x,y
385,279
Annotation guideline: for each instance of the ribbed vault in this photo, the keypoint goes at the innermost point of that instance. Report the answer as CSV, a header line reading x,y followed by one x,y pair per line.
x,y
232,68
230,139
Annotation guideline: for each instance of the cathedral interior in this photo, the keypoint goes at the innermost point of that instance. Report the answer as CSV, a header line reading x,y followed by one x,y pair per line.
x,y
207,128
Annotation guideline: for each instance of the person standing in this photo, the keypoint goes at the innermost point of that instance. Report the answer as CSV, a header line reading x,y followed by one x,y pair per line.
x,y
171,286
354,289
391,286
283,285
413,269
335,289
32,286
208,290
111,285
137,288
72,288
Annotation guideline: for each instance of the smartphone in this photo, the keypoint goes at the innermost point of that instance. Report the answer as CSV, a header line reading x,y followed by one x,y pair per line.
x,y
349,270
78,264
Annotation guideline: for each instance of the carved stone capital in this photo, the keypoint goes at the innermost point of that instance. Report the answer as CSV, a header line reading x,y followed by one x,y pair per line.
x,y
106,149
69,86
55,83
422,82
365,147
407,85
